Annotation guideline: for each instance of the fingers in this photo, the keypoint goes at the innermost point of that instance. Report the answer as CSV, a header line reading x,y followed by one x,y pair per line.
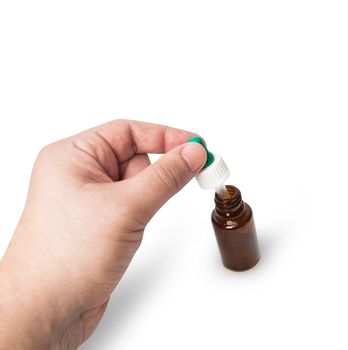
x,y
161,180
134,166
127,137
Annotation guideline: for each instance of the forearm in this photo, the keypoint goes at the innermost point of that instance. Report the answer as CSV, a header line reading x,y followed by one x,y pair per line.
x,y
27,320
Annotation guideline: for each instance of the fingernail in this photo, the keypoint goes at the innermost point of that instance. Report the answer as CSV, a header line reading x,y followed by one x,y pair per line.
x,y
194,155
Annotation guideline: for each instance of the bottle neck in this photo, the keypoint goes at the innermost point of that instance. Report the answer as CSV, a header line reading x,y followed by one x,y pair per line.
x,y
229,203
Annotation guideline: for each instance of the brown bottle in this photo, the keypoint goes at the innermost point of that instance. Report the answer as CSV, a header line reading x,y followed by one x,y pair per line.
x,y
235,231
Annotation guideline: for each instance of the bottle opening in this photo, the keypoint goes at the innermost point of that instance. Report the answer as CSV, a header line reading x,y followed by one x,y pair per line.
x,y
229,201
226,192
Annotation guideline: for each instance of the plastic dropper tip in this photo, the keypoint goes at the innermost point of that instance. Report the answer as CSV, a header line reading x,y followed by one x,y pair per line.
x,y
222,192
220,188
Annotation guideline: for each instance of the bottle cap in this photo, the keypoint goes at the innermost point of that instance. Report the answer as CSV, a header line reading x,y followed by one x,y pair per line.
x,y
215,171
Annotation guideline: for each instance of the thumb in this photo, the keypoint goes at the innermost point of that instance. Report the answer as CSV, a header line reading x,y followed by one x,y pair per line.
x,y
161,180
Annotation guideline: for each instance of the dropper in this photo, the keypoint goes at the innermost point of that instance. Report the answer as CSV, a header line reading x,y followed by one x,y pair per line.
x,y
214,172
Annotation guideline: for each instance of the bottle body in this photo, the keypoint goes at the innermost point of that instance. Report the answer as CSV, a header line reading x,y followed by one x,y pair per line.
x,y
235,230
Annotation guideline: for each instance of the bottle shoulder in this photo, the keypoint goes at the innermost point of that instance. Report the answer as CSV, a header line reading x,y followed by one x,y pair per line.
x,y
232,223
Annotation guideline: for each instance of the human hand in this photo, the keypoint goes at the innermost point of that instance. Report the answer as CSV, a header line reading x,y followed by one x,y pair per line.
x,y
90,198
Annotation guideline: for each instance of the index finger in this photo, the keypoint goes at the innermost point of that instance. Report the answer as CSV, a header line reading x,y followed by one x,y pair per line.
x,y
129,137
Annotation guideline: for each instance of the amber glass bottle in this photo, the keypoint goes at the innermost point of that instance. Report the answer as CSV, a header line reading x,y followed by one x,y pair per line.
x,y
235,231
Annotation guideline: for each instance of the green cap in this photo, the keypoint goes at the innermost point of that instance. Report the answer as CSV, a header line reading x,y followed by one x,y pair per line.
x,y
210,156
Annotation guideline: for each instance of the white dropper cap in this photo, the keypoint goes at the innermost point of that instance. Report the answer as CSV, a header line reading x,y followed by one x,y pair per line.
x,y
215,171
214,175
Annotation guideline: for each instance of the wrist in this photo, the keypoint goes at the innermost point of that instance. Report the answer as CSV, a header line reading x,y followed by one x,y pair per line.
x,y
28,318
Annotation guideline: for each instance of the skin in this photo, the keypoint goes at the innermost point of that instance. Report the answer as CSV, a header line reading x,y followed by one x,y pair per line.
x,y
90,198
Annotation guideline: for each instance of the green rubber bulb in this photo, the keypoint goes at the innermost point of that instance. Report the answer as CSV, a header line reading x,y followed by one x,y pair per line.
x,y
210,156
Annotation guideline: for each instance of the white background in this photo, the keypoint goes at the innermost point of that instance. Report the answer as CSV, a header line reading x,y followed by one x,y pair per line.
x,y
266,84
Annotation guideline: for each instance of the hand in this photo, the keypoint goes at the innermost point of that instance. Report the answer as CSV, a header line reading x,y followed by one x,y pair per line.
x,y
90,198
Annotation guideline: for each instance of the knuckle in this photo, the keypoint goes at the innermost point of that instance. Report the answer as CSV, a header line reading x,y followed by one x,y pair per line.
x,y
120,120
45,152
46,149
50,152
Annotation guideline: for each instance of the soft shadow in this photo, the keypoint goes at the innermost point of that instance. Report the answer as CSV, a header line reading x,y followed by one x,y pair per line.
x,y
132,290
268,240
